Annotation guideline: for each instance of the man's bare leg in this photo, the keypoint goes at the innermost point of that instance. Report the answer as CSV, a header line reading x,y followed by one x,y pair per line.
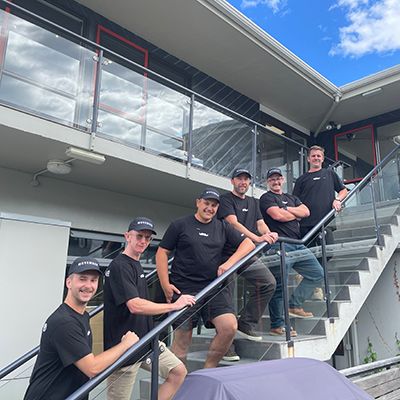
x,y
181,343
226,327
173,382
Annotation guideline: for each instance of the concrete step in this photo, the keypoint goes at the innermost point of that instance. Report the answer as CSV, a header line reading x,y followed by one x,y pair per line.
x,y
303,326
359,233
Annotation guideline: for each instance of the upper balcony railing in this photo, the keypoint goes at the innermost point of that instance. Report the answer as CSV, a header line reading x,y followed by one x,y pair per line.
x,y
60,76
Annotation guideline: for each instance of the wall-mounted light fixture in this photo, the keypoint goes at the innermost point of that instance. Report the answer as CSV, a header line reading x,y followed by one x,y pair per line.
x,y
85,155
61,167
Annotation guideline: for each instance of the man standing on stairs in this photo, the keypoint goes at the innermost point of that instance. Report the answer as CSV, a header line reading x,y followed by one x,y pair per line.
x,y
282,212
316,189
243,213
65,360
126,306
199,241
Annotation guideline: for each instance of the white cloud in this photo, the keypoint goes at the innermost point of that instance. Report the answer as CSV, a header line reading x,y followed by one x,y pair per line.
x,y
274,5
373,27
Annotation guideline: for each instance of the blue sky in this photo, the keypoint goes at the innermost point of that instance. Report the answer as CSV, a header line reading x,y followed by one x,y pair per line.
x,y
344,40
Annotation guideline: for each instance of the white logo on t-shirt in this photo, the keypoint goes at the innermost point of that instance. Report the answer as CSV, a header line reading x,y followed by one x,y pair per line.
x,y
88,333
317,178
245,209
107,274
284,202
203,234
142,276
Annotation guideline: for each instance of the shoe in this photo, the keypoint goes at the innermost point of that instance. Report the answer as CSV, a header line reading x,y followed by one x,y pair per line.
x,y
248,334
280,331
318,294
231,355
300,313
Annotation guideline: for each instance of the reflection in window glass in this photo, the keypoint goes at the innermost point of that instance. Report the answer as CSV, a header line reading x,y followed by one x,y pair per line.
x,y
220,143
41,101
119,128
30,60
165,145
44,73
123,96
275,152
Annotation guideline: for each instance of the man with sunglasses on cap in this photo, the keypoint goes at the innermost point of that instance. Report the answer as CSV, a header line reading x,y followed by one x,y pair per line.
x,y
282,212
65,360
126,306
199,241
243,213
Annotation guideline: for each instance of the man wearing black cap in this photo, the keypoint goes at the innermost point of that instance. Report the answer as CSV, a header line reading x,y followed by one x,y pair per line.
x,y
282,212
65,361
126,306
199,241
243,213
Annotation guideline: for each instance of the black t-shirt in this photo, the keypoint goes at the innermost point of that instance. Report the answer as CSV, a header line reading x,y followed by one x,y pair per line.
x,y
198,250
124,280
317,191
247,212
289,229
66,338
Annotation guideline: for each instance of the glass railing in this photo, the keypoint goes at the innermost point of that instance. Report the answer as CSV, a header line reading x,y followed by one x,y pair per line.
x,y
15,384
91,88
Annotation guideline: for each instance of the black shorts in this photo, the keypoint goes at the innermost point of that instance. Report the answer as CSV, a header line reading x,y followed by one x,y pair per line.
x,y
215,304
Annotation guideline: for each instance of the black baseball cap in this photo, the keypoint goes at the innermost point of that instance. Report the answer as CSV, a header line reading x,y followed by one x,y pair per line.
x,y
241,171
142,224
83,264
274,171
210,193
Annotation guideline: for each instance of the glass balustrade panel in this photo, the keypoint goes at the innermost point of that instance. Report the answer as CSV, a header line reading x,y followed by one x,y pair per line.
x,y
45,74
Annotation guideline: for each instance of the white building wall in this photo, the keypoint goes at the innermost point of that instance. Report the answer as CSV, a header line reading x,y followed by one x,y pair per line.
x,y
85,207
379,318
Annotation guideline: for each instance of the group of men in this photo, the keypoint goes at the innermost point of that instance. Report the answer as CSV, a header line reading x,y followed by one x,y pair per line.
x,y
222,231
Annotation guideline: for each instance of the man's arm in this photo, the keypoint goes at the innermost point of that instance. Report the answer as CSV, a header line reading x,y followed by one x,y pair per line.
x,y
244,248
92,365
262,227
162,272
280,214
300,211
288,214
146,307
337,203
232,220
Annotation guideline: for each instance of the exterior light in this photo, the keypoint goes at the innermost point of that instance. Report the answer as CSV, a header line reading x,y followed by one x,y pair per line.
x,y
85,155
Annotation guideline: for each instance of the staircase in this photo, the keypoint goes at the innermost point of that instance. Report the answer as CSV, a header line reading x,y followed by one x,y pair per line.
x,y
355,262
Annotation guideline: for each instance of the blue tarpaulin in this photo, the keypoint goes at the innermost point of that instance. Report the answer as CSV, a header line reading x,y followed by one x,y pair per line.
x,y
287,379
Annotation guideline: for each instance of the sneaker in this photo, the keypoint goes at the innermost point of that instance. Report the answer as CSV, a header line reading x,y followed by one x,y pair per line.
x,y
280,331
231,355
318,294
248,334
300,313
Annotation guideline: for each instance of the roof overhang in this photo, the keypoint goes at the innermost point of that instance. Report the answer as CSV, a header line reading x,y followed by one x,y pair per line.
x,y
216,38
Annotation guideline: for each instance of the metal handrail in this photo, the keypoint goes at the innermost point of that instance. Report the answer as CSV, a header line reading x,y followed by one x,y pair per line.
x,y
352,193
148,338
151,72
34,352
360,369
